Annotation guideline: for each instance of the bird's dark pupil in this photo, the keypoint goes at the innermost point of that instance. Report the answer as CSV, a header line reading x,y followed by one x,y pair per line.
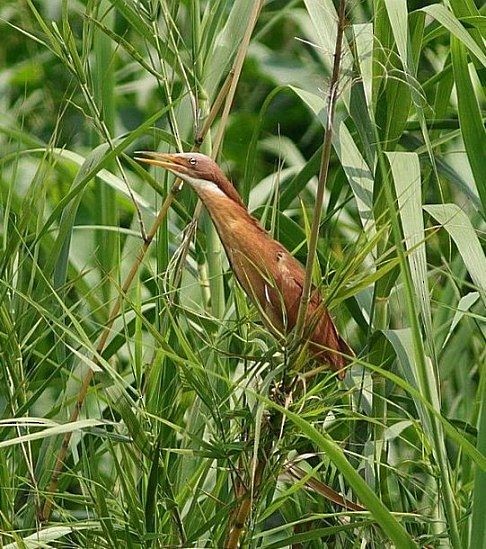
x,y
193,161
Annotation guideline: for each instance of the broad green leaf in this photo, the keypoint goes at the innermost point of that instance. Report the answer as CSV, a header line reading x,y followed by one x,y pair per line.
x,y
405,170
324,19
226,43
458,225
363,34
43,536
441,14
357,171
470,118
398,16
53,431
465,303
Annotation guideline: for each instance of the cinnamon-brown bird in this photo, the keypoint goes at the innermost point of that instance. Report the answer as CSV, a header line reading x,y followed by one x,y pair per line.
x,y
271,277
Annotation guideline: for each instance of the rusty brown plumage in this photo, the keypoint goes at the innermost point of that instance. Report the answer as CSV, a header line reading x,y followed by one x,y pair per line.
x,y
271,277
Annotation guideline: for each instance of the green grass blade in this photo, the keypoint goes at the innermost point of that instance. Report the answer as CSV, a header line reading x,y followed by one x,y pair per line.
x,y
470,118
458,225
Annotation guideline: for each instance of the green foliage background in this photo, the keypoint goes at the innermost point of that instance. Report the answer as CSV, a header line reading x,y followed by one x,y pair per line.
x,y
184,400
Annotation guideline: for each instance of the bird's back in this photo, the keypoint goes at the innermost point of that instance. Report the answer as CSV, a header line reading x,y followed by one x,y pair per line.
x,y
274,281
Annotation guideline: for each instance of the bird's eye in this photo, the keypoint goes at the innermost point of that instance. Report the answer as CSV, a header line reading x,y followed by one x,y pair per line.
x,y
192,161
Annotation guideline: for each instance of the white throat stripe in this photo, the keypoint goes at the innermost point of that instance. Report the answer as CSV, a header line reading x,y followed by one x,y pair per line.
x,y
205,185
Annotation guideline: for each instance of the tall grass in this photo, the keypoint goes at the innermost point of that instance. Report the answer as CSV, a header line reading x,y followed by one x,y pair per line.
x,y
142,402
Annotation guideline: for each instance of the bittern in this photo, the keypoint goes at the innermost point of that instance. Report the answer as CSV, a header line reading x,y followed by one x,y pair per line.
x,y
271,277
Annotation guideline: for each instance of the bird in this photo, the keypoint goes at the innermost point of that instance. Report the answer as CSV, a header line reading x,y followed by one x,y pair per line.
x,y
270,275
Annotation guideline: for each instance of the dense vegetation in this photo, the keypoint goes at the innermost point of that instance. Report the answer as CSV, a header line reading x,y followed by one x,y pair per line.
x,y
142,401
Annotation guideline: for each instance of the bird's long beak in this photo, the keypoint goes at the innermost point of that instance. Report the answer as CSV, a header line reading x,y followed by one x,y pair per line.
x,y
168,161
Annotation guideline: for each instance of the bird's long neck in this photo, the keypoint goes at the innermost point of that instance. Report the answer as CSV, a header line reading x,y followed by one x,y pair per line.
x,y
218,187
233,222
224,210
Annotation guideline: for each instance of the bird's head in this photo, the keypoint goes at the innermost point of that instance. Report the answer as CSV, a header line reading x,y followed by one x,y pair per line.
x,y
200,171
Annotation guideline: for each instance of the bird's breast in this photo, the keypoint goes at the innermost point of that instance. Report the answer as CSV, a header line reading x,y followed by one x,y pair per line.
x,y
262,266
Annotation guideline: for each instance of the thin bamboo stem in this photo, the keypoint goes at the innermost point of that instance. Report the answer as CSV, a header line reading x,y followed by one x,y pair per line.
x,y
247,496
323,171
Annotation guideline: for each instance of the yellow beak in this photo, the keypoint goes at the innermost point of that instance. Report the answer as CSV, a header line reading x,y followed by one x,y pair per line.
x,y
167,161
